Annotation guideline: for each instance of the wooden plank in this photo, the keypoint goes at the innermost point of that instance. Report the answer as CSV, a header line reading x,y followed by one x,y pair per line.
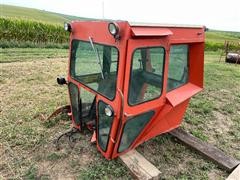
x,y
206,149
235,175
140,167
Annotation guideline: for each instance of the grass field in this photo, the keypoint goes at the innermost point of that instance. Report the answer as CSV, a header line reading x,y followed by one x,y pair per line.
x,y
26,27
215,40
29,54
29,94
221,36
36,15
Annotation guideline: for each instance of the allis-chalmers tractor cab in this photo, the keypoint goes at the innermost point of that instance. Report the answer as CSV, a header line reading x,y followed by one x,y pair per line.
x,y
131,82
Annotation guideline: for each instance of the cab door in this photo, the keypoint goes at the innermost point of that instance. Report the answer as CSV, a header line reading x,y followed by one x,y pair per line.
x,y
108,109
144,90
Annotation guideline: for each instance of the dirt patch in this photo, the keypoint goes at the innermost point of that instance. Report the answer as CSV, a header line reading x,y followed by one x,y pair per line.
x,y
222,124
218,127
66,162
215,174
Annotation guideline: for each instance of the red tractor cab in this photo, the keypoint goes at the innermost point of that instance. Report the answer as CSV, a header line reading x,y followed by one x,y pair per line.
x,y
131,82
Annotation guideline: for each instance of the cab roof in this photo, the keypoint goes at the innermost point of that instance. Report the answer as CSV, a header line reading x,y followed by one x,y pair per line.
x,y
175,33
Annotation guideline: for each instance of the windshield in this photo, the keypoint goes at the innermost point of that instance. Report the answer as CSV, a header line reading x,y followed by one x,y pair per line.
x,y
95,66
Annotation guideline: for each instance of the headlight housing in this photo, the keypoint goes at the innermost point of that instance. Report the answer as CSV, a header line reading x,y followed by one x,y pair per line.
x,y
108,111
67,27
114,30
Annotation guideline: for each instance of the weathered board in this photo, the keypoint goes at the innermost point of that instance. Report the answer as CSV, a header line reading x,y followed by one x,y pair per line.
x,y
206,149
235,175
140,167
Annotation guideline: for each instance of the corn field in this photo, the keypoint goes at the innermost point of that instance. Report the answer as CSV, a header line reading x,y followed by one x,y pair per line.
x,y
19,30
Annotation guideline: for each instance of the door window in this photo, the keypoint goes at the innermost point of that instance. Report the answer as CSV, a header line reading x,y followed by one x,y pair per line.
x,y
95,66
104,125
146,75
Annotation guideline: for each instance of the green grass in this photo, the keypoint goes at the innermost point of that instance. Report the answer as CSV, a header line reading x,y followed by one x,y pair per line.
x,y
104,170
29,54
29,94
221,36
31,173
30,44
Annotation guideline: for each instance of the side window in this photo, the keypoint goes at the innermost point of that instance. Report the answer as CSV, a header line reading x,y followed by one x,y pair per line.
x,y
178,67
146,75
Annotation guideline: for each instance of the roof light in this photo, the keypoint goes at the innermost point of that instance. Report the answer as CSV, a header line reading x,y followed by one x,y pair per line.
x,y
113,29
67,27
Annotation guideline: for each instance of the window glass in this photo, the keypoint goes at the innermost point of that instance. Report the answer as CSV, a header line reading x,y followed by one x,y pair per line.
x,y
104,125
95,66
133,128
178,66
146,75
74,97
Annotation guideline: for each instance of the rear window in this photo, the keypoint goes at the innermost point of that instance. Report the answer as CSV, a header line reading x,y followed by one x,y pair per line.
x,y
178,66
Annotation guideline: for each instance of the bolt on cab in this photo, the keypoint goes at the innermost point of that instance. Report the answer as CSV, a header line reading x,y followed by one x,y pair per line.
x,y
131,82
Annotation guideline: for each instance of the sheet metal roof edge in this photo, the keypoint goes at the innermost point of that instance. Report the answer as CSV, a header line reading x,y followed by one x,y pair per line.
x,y
139,24
148,31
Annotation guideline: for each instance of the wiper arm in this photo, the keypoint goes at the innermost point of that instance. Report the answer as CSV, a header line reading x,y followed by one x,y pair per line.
x,y
97,56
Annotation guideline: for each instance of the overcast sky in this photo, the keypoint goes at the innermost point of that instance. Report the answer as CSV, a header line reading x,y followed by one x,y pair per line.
x,y
215,14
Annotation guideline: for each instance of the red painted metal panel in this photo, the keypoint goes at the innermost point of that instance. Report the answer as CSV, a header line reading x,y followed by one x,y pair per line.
x,y
143,31
180,94
166,121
